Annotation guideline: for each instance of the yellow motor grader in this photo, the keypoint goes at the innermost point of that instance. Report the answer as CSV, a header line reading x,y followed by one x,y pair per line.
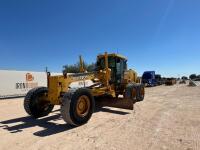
x,y
113,86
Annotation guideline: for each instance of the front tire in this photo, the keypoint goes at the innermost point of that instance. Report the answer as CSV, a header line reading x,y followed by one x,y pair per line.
x,y
77,106
35,105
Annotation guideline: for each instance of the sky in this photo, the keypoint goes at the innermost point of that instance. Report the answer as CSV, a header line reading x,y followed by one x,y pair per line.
x,y
160,35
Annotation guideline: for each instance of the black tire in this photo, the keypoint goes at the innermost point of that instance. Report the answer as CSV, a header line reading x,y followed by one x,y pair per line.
x,y
34,106
69,104
138,92
128,91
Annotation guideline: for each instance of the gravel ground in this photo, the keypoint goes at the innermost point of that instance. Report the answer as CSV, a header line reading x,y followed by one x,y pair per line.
x,y
168,118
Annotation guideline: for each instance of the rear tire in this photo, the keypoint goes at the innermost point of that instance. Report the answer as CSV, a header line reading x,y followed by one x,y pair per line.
x,y
140,93
34,105
77,106
135,91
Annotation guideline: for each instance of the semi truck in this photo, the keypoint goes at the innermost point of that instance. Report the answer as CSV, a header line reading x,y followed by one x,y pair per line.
x,y
149,78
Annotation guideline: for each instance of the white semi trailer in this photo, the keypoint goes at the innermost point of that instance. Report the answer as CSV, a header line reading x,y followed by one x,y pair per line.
x,y
18,83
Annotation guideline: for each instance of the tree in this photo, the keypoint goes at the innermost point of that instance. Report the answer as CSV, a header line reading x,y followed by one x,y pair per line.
x,y
90,67
75,68
193,76
184,78
70,68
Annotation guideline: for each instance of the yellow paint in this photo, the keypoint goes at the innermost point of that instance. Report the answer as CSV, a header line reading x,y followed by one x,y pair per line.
x,y
58,85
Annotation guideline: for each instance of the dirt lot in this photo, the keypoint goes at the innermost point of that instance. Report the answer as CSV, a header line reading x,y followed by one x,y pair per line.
x,y
168,118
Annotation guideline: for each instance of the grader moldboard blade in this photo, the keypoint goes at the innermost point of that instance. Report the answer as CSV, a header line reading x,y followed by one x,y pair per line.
x,y
114,102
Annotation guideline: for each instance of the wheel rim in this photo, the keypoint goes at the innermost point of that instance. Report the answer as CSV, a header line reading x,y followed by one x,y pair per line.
x,y
83,106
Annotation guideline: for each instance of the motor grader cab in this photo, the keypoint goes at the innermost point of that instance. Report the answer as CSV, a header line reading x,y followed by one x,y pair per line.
x,y
110,79
120,76
117,65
